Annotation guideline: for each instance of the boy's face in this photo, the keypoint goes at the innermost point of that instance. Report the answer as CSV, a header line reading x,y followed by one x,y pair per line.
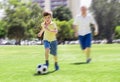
x,y
47,19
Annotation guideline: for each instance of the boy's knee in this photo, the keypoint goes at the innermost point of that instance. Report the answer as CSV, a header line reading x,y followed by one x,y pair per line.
x,y
47,49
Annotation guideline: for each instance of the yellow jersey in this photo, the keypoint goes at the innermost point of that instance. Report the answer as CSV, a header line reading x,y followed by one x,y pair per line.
x,y
49,36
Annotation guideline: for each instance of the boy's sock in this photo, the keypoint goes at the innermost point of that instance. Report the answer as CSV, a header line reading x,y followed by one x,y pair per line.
x,y
56,66
47,63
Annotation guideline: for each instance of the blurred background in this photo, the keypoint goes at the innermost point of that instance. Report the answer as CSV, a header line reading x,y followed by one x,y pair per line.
x,y
20,20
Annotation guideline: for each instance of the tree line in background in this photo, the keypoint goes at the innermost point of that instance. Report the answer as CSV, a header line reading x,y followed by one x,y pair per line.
x,y
107,14
22,20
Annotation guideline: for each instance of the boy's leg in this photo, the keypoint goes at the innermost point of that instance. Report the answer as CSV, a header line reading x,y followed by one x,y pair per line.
x,y
56,63
55,58
53,51
47,51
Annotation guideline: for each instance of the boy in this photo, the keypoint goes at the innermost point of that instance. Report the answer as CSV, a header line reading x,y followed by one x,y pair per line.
x,y
83,31
50,42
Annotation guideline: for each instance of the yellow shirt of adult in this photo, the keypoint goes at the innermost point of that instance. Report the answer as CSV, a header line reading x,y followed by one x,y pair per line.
x,y
49,36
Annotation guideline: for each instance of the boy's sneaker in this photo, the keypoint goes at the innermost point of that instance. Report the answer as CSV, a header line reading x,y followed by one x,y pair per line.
x,y
46,64
88,60
56,67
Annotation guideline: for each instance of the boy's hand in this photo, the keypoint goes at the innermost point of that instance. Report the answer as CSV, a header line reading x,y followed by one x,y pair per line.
x,y
39,34
55,30
46,27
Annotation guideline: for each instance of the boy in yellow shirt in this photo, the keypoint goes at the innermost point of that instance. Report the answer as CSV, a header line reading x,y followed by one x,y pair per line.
x,y
49,29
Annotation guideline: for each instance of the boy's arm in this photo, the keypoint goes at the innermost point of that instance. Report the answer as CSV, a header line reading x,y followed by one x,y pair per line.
x,y
40,33
55,30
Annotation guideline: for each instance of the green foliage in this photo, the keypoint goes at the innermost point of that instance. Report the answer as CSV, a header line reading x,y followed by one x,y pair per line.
x,y
36,18
23,19
117,32
63,18
16,31
16,19
62,13
14,2
107,16
2,29
65,30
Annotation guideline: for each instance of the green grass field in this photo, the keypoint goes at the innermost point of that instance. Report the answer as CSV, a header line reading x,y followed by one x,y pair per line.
x,y
18,64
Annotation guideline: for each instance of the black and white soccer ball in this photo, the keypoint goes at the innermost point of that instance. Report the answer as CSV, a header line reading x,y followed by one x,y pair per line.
x,y
42,69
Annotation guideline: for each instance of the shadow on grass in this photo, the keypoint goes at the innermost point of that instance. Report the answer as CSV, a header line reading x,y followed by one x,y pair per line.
x,y
37,74
79,63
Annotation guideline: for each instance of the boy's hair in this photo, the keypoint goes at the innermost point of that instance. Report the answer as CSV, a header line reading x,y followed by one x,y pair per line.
x,y
47,13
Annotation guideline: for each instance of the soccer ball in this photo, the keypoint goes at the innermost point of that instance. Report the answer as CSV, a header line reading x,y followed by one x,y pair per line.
x,y
42,69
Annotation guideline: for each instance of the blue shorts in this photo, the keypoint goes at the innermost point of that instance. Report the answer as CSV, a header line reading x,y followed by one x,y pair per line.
x,y
85,41
52,46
